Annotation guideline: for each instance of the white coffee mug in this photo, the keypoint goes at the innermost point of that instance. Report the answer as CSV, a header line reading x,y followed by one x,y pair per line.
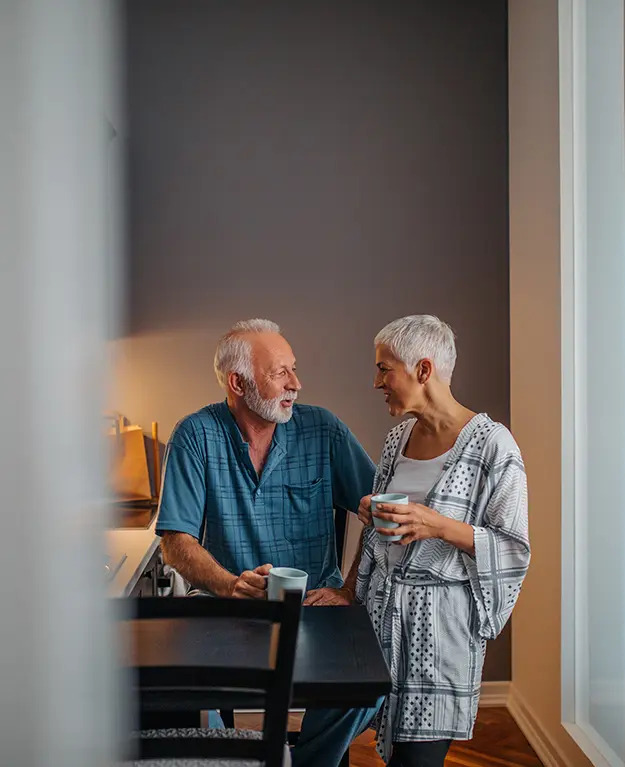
x,y
281,579
387,498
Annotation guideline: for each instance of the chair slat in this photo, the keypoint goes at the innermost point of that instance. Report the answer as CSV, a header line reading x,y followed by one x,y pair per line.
x,y
145,608
213,677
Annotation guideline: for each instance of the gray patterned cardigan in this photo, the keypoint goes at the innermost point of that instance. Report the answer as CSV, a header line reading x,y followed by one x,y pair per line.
x,y
437,607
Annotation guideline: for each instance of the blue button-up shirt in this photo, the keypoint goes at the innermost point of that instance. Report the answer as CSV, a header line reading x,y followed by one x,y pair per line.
x,y
212,491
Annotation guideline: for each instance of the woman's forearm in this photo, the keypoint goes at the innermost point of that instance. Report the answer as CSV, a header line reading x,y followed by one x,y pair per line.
x,y
458,534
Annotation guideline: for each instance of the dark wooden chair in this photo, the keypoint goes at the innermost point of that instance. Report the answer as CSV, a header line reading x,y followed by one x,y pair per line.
x,y
271,685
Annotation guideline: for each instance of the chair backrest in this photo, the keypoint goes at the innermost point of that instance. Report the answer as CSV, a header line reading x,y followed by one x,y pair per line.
x,y
273,682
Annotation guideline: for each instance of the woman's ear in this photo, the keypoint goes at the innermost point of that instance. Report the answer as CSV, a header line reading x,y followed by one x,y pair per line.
x,y
424,371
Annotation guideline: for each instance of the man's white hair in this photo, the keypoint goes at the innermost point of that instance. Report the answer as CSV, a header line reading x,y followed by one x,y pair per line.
x,y
234,352
418,337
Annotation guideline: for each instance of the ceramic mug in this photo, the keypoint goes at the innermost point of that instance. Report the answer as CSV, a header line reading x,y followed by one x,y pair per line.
x,y
387,498
281,579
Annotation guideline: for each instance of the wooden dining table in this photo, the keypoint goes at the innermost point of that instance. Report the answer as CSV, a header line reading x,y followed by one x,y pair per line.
x,y
339,662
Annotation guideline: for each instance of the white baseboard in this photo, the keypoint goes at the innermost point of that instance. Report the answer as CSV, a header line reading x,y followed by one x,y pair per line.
x,y
548,753
494,694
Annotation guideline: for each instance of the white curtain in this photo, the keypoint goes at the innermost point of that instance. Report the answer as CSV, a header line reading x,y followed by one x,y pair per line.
x,y
58,685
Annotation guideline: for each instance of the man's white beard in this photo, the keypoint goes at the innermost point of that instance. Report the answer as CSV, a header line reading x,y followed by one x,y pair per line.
x,y
269,409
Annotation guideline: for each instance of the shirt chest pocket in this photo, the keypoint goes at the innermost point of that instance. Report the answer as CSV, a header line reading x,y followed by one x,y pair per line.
x,y
305,511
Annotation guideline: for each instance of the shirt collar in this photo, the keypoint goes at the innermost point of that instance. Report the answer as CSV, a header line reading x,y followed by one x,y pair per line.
x,y
279,435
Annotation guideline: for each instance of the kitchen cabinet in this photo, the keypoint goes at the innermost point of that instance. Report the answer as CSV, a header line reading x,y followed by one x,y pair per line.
x,y
146,586
137,551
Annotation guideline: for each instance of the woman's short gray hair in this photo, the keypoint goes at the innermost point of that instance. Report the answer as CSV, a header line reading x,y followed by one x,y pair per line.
x,y
418,337
234,352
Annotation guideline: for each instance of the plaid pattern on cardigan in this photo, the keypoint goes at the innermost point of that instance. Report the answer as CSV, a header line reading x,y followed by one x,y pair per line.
x,y
437,607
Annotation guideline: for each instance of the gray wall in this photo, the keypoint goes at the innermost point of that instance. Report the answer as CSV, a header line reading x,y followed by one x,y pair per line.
x,y
330,165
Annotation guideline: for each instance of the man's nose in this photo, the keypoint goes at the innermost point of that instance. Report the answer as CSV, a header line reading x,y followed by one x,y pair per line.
x,y
293,383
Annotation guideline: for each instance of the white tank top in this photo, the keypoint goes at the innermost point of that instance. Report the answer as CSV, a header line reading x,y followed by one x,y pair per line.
x,y
415,479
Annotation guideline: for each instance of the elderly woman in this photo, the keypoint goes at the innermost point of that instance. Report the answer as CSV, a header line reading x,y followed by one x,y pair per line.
x,y
451,582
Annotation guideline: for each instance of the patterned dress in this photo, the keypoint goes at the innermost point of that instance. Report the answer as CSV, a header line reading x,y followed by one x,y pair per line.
x,y
435,610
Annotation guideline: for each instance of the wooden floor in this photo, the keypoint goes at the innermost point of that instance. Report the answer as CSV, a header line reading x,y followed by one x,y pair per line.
x,y
497,742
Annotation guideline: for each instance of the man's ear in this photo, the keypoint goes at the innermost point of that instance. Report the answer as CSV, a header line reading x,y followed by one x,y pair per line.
x,y
424,371
236,383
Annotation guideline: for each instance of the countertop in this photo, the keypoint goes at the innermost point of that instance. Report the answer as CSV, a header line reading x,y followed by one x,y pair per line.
x,y
138,545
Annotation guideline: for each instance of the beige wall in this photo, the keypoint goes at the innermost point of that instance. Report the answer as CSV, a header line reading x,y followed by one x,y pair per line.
x,y
330,193
535,366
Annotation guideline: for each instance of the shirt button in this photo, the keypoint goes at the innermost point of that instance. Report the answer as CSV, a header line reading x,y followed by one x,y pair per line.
x,y
259,492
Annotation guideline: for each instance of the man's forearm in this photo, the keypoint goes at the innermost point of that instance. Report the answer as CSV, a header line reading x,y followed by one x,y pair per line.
x,y
196,565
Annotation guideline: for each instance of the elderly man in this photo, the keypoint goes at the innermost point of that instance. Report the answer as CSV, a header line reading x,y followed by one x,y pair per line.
x,y
252,482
